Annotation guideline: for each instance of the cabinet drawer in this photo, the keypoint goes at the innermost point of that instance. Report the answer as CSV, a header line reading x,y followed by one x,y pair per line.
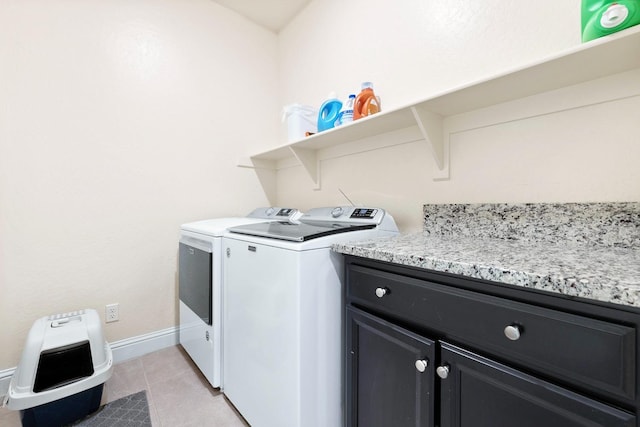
x,y
587,352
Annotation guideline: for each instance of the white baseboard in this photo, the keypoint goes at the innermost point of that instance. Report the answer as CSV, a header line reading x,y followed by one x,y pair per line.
x,y
122,350
143,344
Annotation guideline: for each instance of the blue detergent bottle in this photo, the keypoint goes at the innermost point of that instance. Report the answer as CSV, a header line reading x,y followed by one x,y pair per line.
x,y
329,112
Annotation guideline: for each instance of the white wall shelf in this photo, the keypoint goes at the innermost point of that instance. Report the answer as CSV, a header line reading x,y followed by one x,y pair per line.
x,y
598,58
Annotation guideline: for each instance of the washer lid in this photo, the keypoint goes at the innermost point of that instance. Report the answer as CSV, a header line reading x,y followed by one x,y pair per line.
x,y
297,232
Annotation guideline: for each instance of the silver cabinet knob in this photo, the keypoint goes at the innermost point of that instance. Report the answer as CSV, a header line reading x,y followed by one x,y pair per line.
x,y
380,292
421,365
443,371
512,332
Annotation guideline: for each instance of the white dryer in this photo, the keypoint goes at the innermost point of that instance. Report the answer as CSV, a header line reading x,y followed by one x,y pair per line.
x,y
200,285
283,315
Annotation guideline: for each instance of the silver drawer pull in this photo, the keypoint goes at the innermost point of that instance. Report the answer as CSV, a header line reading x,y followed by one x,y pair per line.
x,y
380,292
443,371
421,365
512,332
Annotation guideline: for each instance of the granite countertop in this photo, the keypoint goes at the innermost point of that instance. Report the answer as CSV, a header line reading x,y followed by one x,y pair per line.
x,y
603,272
608,274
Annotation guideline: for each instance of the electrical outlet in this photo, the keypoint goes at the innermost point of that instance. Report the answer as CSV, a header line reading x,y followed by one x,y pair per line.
x,y
111,313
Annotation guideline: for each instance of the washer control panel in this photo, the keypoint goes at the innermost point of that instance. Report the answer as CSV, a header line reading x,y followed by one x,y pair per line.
x,y
364,213
344,214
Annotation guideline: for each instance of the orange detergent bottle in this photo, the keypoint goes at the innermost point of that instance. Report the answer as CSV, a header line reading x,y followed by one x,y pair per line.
x,y
366,102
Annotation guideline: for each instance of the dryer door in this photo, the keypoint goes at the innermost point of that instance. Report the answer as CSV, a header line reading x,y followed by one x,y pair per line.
x,y
195,281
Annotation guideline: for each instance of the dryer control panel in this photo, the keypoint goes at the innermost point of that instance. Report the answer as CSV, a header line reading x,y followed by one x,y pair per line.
x,y
277,213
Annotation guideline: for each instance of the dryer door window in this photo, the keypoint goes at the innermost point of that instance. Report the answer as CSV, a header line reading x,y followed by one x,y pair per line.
x,y
196,281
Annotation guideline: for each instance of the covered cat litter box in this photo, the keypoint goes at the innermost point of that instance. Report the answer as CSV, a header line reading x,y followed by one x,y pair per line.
x,y
64,365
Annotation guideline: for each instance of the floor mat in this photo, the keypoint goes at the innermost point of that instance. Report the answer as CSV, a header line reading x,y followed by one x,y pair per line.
x,y
128,411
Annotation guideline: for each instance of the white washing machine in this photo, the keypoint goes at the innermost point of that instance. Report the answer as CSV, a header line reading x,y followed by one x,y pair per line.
x,y
200,285
283,315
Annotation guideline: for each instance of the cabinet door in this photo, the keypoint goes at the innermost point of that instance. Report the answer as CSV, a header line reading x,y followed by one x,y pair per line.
x,y
478,392
390,374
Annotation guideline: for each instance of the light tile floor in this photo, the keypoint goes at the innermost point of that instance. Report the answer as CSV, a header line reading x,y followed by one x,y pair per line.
x,y
177,392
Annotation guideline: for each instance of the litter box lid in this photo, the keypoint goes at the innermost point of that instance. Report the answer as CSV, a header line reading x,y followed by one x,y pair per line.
x,y
64,354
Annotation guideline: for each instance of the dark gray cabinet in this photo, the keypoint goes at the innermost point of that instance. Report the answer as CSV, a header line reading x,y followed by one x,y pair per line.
x,y
429,349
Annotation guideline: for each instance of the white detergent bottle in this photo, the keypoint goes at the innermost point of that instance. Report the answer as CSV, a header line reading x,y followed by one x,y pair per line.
x,y
346,114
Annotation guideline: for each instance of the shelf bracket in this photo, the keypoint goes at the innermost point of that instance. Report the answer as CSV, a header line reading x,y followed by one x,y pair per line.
x,y
431,128
266,172
308,158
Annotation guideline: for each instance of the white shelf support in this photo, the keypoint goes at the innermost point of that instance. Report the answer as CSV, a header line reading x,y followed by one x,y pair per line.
x,y
308,158
266,172
431,128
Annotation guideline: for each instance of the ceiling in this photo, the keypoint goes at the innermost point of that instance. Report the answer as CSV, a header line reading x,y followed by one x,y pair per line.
x,y
272,14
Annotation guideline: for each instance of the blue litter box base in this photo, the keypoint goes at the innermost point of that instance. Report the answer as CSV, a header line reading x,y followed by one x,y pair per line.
x,y
64,411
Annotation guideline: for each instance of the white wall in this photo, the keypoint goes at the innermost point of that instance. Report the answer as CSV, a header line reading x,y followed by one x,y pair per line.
x,y
120,120
414,49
